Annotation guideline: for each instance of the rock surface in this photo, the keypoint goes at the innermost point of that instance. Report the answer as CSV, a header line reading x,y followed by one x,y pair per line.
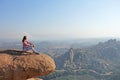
x,y
15,65
34,79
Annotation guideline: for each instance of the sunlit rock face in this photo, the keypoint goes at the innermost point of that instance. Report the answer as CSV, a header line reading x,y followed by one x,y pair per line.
x,y
18,65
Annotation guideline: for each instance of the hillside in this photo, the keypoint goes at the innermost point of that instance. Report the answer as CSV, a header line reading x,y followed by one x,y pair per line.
x,y
100,61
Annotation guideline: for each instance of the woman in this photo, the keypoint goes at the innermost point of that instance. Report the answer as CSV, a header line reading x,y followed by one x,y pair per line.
x,y
27,45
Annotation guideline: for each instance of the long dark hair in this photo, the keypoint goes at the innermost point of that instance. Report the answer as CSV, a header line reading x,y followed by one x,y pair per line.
x,y
24,38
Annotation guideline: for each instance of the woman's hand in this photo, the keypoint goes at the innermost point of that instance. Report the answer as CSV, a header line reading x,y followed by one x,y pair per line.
x,y
33,45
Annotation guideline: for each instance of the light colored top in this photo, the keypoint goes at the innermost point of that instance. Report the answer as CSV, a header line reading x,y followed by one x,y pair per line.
x,y
26,44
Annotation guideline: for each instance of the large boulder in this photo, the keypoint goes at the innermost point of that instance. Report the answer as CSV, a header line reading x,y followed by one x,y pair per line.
x,y
34,79
14,65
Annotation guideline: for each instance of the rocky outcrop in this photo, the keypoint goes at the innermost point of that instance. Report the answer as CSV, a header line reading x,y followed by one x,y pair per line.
x,y
17,65
71,54
34,79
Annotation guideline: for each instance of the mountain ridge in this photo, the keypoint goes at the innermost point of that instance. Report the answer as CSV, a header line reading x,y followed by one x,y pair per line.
x,y
102,58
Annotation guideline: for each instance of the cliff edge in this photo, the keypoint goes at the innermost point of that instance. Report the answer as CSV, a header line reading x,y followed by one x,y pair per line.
x,y
19,65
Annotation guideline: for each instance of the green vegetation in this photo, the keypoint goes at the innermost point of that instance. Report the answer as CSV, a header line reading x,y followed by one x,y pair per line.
x,y
76,77
72,75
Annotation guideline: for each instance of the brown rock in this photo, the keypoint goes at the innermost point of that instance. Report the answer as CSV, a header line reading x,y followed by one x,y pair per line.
x,y
22,67
34,79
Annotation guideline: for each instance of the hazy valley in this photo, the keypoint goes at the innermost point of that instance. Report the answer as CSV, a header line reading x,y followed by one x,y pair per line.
x,y
79,60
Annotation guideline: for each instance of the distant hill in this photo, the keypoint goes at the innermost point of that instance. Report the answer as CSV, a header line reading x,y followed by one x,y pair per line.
x,y
102,58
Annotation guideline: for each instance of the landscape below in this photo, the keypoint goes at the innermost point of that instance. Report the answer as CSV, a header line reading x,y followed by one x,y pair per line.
x,y
95,62
82,60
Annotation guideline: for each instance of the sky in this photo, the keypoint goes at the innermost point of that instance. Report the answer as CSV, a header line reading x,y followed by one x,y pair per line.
x,y
59,19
